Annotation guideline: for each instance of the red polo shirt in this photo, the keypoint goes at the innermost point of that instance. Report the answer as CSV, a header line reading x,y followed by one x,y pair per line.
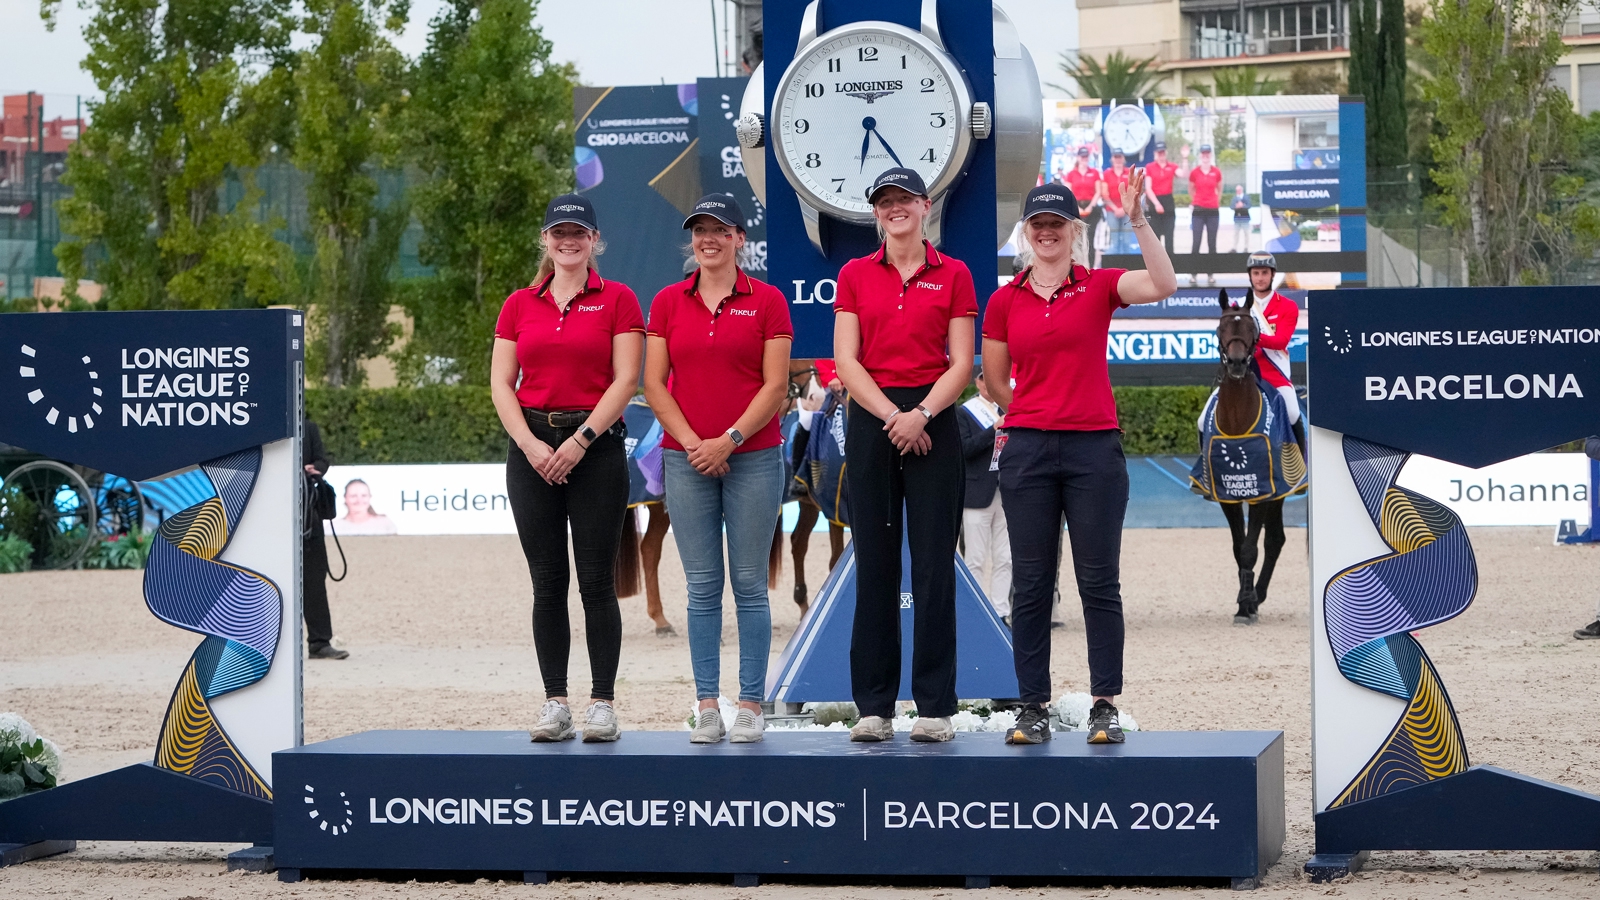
x,y
1083,184
1161,175
1205,188
566,357
1058,350
716,356
1114,183
905,325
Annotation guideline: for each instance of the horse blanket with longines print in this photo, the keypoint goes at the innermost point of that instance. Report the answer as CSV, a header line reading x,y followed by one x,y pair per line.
x,y
1262,464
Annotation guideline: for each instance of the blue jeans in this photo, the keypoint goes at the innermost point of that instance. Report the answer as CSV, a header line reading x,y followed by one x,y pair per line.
x,y
747,500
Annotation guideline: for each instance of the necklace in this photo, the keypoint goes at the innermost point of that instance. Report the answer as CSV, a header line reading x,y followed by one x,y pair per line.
x,y
1049,288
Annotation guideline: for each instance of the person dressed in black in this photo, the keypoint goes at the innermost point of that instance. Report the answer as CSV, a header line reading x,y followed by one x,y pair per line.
x,y
314,555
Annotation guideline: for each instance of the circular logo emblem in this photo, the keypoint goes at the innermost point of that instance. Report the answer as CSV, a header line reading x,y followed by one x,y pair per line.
x,y
1337,345
28,369
336,819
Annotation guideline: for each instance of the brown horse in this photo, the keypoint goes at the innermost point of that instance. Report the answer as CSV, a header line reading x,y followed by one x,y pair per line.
x,y
1238,408
800,371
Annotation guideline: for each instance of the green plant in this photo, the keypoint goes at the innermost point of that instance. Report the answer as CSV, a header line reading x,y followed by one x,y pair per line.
x,y
28,763
1120,77
1239,81
124,551
1160,419
16,554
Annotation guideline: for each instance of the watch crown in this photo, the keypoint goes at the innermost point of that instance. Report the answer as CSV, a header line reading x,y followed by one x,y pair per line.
x,y
751,130
982,120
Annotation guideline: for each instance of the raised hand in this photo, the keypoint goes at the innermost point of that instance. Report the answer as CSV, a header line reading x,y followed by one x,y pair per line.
x,y
1132,190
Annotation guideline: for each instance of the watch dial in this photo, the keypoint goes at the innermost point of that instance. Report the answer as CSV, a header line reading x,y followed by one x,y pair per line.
x,y
1127,129
859,104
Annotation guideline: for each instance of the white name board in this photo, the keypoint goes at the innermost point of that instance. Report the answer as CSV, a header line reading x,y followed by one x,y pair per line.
x,y
447,498
1537,489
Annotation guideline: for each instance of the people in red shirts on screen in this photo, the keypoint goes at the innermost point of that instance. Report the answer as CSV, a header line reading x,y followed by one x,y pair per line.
x,y
566,360
1205,197
1063,456
902,339
1159,176
1112,182
716,374
1085,180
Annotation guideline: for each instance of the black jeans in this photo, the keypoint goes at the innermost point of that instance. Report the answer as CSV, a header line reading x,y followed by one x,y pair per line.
x,y
314,588
1203,222
1164,222
891,494
1082,475
594,501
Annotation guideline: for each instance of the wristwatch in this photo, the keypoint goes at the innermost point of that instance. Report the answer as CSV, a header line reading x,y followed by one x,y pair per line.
x,y
735,436
924,410
588,433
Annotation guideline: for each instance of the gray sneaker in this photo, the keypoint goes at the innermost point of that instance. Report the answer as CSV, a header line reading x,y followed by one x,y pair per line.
x,y
932,730
600,723
872,729
555,724
707,726
748,727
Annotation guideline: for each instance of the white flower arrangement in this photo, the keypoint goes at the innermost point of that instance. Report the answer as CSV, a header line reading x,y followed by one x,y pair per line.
x,y
21,745
1069,713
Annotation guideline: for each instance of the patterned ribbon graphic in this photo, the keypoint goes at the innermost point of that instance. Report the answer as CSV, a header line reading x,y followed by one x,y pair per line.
x,y
240,613
1371,608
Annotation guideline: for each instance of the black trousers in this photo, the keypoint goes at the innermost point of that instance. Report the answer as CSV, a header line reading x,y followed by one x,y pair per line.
x,y
1084,476
1164,222
314,588
594,502
918,496
1203,221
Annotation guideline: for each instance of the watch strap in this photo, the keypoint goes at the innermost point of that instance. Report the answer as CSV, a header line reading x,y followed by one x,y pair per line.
x,y
736,436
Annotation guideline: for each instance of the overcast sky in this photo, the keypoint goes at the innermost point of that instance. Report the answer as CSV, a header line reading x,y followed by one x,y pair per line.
x,y
613,42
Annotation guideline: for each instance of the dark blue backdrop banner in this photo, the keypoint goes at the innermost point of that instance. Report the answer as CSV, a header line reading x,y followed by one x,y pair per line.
x,y
143,393
1469,375
796,268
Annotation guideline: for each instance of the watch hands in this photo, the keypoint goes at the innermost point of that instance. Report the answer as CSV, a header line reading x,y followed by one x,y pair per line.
x,y
871,125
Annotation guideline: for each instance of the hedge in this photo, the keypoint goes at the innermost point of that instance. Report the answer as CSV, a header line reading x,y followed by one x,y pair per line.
x,y
457,423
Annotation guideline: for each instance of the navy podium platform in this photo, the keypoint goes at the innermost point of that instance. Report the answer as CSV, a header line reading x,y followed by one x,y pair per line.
x,y
1165,804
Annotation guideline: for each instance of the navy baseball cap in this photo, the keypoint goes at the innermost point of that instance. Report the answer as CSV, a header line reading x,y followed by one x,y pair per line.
x,y
1051,198
1161,145
905,179
1205,148
573,208
721,207
1083,151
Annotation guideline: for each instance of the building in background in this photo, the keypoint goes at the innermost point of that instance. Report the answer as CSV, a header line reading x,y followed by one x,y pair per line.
x,y
1578,73
22,133
33,156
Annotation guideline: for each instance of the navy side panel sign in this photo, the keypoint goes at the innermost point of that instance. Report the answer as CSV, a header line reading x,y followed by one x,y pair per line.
x,y
1400,366
144,393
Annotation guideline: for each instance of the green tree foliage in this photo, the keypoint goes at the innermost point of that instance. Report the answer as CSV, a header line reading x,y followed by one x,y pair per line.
x,y
490,123
1239,81
1119,77
1505,138
348,88
1378,74
195,92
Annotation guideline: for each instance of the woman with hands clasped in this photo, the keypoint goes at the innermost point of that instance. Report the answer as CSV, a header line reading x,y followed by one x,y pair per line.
x,y
1063,454
903,342
716,374
575,341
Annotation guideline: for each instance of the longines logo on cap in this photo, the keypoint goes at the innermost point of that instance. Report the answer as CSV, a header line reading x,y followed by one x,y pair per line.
x,y
1056,197
37,395
569,207
336,819
712,203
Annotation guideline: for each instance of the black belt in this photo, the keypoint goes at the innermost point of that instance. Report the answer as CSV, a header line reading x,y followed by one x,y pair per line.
x,y
571,418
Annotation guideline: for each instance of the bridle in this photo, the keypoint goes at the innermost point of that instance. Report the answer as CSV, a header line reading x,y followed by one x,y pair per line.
x,y
1235,325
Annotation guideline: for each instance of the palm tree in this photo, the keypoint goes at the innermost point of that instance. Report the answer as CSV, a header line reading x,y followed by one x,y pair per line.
x,y
1239,81
1120,76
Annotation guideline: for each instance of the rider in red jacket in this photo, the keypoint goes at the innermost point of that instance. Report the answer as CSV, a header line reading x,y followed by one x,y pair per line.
x,y
1276,316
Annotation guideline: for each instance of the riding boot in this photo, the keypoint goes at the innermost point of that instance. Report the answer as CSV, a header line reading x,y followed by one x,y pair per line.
x,y
1299,427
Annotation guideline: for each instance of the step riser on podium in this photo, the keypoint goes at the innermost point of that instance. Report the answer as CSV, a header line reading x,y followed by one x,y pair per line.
x,y
651,803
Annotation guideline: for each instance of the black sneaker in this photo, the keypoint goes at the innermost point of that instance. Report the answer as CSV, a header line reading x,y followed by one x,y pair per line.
x,y
1103,725
1033,726
328,651
1588,632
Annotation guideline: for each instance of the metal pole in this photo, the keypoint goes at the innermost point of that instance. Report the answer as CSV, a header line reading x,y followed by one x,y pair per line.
x,y
716,55
38,192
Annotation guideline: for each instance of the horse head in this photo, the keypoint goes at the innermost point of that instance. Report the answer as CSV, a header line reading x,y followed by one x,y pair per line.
x,y
1237,336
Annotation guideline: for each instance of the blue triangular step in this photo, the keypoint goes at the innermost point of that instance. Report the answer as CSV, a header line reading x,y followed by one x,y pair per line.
x,y
1483,808
138,803
815,665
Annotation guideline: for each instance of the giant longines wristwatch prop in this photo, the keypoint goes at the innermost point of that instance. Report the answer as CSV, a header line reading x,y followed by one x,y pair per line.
x,y
870,95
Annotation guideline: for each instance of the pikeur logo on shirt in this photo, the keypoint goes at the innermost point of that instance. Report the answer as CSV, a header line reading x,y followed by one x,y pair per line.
x,y
741,312
929,286
596,308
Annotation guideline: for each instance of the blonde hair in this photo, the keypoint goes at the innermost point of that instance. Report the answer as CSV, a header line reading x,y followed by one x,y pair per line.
x,y
547,265
1079,242
744,257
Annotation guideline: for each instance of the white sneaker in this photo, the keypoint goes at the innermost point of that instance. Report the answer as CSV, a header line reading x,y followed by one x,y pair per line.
x,y
555,724
871,729
707,726
749,727
932,730
600,723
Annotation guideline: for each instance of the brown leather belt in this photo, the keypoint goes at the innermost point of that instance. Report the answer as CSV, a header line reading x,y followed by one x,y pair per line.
x,y
570,418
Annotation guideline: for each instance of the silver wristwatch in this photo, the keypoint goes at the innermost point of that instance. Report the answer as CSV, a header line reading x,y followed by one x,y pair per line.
x,y
738,439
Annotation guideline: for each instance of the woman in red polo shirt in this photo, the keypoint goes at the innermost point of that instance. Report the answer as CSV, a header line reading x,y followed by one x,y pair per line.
x,y
903,339
717,372
1063,453
575,340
